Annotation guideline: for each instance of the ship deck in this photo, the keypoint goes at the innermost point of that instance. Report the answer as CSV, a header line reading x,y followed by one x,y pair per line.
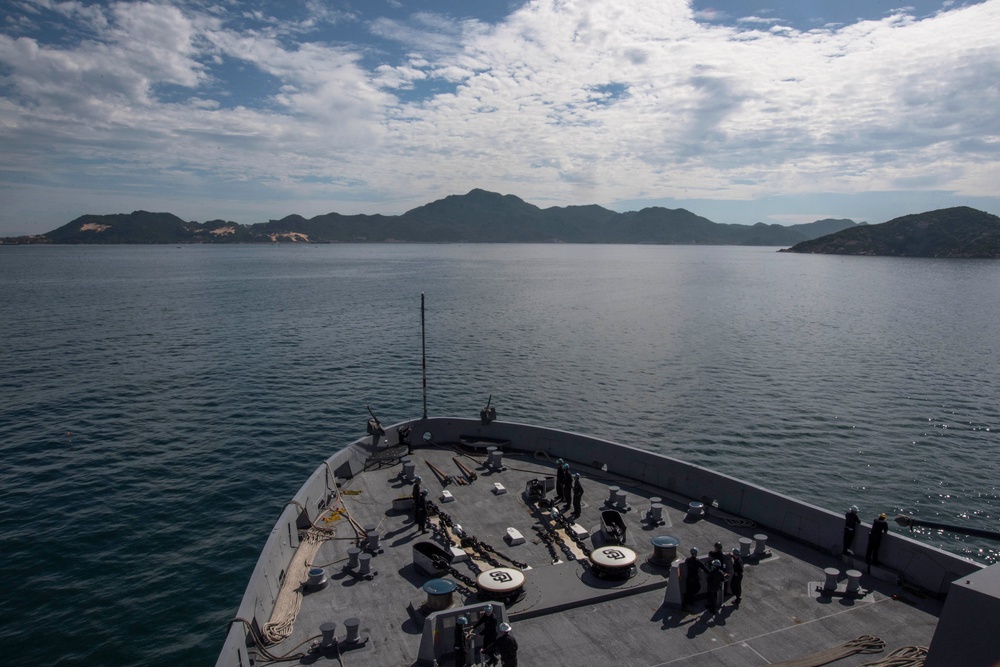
x,y
567,616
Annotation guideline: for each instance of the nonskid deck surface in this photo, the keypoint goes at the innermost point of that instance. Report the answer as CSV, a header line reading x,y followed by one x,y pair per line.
x,y
569,617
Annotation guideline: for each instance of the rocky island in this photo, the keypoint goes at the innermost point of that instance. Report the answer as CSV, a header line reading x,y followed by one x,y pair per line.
x,y
948,232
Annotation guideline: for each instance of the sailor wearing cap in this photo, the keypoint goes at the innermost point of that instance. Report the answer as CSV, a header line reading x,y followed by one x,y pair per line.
x,y
461,639
577,493
716,579
489,624
879,528
716,553
561,471
420,510
736,582
692,581
851,521
506,646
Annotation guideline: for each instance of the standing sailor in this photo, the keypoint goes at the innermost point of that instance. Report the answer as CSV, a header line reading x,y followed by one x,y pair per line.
x,y
489,623
851,522
403,433
416,496
461,637
567,489
577,493
507,646
879,528
560,474
736,583
692,582
716,553
716,580
420,512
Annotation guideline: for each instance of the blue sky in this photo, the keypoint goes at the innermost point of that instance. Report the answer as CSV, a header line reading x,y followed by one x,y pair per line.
x,y
780,111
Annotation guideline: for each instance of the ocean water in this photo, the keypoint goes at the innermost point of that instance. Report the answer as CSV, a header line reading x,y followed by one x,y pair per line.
x,y
158,405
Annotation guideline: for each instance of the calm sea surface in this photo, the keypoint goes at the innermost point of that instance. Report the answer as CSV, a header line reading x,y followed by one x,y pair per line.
x,y
158,405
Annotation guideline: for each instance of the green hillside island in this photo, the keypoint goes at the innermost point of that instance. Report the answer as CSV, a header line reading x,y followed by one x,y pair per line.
x,y
476,217
948,232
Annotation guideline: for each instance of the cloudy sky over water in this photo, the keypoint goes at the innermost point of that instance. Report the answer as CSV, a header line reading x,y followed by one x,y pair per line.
x,y
739,110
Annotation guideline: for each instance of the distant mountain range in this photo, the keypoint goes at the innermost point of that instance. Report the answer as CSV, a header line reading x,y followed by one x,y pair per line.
x,y
476,217
948,232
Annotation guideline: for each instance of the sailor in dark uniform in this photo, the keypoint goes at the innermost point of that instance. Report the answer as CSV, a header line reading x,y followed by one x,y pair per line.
x,y
461,639
489,631
404,438
420,511
560,474
851,521
736,582
879,528
567,489
506,646
716,581
716,553
577,493
416,496
692,582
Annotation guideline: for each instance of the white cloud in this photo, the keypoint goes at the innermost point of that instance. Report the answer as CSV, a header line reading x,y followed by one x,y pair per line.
x,y
698,109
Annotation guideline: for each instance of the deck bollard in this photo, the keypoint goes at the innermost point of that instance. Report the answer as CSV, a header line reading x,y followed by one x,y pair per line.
x,y
612,494
760,548
494,458
832,574
372,541
621,501
409,469
653,502
696,510
352,558
745,546
655,513
353,626
328,629
365,565
853,581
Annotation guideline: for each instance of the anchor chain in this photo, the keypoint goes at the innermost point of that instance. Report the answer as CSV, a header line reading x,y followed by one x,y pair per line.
x,y
558,540
549,542
482,549
470,583
568,527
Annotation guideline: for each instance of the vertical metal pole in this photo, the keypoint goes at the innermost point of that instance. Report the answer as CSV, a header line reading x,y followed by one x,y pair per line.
x,y
423,351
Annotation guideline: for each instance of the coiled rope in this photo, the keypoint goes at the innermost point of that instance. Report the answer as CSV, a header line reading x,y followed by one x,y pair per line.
x,y
289,602
863,644
906,656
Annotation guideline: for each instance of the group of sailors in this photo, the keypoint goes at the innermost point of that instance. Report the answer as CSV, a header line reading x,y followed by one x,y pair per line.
x,y
880,526
568,487
718,569
498,642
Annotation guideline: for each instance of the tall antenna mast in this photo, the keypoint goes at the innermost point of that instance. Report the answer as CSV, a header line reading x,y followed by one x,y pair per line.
x,y
423,351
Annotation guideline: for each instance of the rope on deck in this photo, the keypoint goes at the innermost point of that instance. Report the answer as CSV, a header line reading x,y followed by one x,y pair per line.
x,y
906,656
286,607
863,644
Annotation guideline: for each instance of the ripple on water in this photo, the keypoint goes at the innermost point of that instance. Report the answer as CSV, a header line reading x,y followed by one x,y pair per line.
x,y
159,405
